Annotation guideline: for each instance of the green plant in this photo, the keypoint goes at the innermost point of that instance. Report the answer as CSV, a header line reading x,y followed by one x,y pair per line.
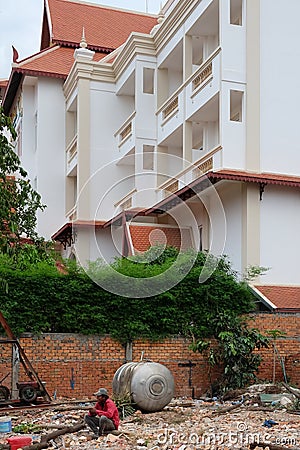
x,y
233,350
42,300
125,405
252,272
19,203
26,428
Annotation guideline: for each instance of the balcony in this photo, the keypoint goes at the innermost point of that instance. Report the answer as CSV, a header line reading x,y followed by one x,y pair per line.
x,y
71,152
170,115
190,97
125,136
126,202
204,84
212,160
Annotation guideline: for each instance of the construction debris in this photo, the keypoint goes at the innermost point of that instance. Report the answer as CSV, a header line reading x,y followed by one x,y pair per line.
x,y
185,424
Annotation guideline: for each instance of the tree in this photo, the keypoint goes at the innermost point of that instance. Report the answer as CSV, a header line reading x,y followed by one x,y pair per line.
x,y
19,202
233,349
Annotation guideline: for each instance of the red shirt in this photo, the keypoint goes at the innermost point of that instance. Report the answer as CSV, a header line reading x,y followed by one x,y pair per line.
x,y
109,410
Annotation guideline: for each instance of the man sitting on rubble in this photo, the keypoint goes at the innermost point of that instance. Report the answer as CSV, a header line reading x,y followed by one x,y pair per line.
x,y
104,417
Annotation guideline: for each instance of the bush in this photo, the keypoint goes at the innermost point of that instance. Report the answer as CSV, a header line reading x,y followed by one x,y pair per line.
x,y
40,299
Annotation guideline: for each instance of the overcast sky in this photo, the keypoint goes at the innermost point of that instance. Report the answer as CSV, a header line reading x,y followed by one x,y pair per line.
x,y
21,22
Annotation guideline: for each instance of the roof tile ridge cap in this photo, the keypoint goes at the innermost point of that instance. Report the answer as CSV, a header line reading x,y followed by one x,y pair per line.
x,y
36,55
111,8
70,44
279,285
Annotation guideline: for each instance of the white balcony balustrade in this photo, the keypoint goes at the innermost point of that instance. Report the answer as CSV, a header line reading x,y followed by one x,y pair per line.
x,y
211,161
125,135
71,152
191,96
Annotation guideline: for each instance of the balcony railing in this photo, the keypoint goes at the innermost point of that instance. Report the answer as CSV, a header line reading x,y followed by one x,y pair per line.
x,y
171,188
202,168
184,102
203,77
72,149
126,201
125,131
210,161
171,108
72,214
127,204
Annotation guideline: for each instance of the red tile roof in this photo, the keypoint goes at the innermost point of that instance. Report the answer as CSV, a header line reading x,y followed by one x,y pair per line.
x,y
55,61
104,27
255,177
283,298
3,84
145,236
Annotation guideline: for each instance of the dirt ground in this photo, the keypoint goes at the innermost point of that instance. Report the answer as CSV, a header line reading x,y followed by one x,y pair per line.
x,y
241,422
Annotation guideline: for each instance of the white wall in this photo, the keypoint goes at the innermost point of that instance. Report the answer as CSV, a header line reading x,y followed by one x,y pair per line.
x,y
28,158
233,134
51,154
231,199
233,43
109,182
280,93
280,244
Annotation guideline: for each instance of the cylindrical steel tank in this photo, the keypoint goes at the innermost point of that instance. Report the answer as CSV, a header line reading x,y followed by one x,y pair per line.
x,y
150,385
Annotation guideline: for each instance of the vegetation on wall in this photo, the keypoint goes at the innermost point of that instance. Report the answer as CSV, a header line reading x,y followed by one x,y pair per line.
x,y
233,348
41,299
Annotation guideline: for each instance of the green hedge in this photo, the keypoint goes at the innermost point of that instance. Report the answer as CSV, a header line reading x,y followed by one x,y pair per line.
x,y
40,299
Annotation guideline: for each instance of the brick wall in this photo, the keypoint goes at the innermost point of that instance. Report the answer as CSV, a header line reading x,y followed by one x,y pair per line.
x,y
288,347
74,365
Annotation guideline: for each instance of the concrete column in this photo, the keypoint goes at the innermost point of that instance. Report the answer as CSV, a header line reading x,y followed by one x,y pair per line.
x,y
250,225
187,143
253,86
187,57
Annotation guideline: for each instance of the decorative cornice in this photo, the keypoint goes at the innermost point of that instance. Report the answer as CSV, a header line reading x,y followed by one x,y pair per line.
x,y
137,43
173,22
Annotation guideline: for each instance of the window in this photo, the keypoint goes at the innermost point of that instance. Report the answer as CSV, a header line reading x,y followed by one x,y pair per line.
x,y
236,12
236,106
148,157
148,81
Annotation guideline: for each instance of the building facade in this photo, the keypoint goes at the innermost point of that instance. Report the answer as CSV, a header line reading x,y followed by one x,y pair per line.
x,y
183,131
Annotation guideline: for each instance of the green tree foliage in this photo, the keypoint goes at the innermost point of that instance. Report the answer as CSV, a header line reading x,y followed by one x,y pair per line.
x,y
19,203
233,349
43,300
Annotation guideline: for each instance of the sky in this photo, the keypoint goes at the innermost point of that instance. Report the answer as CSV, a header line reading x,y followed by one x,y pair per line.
x,y
21,23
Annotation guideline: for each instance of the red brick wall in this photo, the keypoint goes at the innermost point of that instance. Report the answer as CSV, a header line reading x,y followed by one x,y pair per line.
x,y
288,347
74,365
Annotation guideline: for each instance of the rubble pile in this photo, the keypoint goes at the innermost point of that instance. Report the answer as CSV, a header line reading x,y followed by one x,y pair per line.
x,y
261,418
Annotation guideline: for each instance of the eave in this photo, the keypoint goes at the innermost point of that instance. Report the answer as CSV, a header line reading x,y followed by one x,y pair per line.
x,y
11,91
211,178
65,235
75,45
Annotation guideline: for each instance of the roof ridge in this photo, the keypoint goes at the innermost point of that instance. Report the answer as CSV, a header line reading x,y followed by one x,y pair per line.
x,y
36,56
278,285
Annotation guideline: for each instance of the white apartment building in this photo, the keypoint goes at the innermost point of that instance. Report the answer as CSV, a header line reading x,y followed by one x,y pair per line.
x,y
185,133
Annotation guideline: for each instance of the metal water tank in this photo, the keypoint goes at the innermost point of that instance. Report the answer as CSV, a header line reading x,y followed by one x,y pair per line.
x,y
150,385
